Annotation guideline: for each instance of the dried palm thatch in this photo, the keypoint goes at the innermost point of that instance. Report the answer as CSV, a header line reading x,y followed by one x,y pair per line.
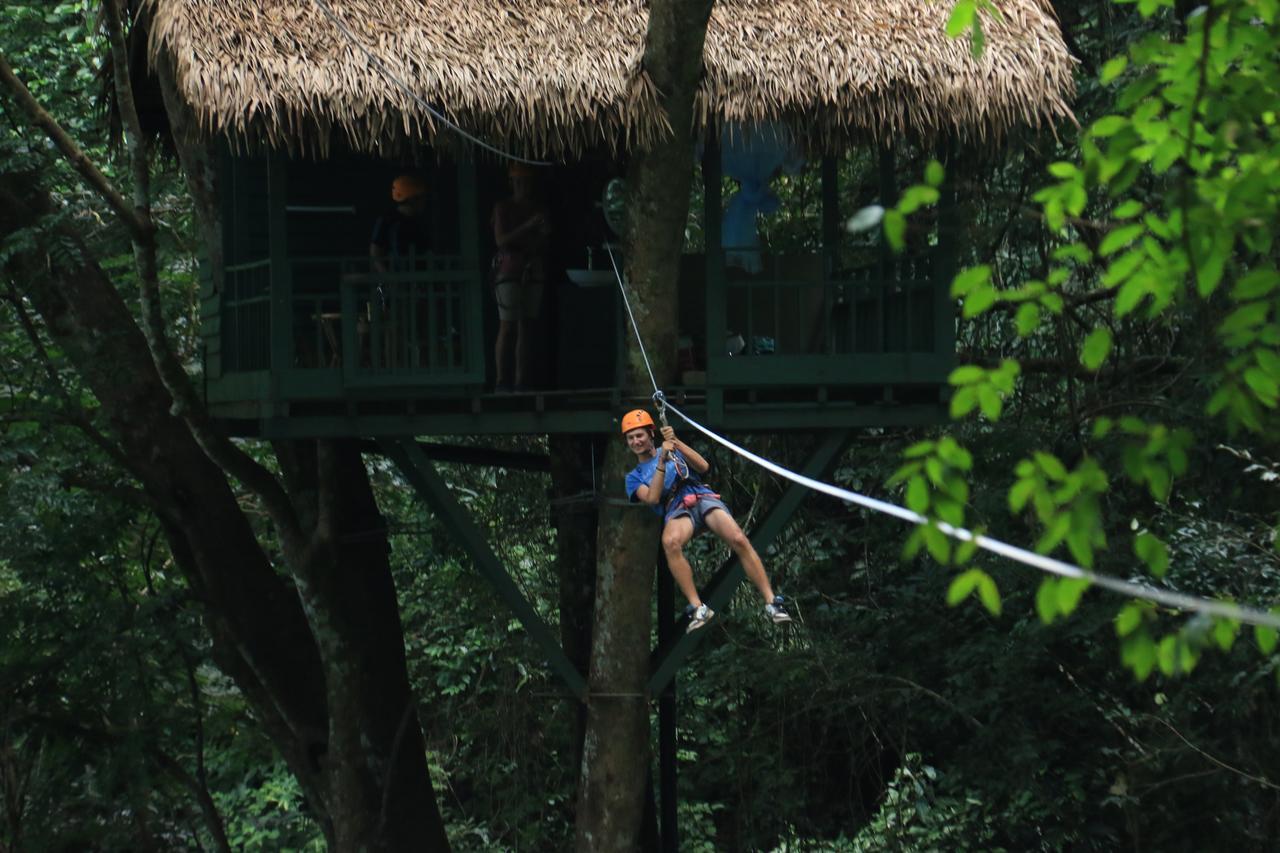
x,y
557,77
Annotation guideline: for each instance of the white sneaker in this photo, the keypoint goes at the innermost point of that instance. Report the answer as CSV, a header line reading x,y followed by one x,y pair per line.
x,y
777,611
699,617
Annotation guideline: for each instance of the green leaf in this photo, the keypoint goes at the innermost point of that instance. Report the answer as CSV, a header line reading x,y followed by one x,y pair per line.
x,y
1096,348
961,585
1047,600
1139,654
966,582
1255,284
1167,655
963,402
1050,465
1131,294
937,543
1225,632
934,174
1265,637
1263,385
1028,319
989,594
919,450
1077,252
895,229
917,197
1112,69
1268,360
1128,619
1020,493
1069,592
1153,552
977,39
966,374
1120,237
1064,169
954,455
968,279
990,402
918,495
962,17
1128,210
978,301
1209,271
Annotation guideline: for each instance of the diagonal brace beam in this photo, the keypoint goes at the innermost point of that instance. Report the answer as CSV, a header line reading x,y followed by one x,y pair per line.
x,y
421,474
665,662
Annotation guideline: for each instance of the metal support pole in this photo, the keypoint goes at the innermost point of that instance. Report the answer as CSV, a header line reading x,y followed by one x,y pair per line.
x,y
670,797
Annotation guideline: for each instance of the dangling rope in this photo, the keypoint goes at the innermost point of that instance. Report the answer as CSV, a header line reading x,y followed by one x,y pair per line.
x,y
1049,565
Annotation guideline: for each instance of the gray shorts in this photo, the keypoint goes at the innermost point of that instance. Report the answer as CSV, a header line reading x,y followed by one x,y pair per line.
x,y
698,513
519,300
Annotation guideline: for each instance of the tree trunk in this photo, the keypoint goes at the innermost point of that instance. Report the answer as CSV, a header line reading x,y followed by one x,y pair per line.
x,y
321,659
615,758
575,460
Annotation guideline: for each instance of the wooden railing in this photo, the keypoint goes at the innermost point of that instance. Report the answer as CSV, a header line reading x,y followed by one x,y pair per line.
x,y
246,317
409,321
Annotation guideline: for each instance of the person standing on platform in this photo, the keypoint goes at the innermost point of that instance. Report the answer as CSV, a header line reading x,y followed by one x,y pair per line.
x,y
521,230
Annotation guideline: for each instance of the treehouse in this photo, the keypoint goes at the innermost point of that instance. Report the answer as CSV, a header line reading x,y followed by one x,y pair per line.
x,y
786,321
808,111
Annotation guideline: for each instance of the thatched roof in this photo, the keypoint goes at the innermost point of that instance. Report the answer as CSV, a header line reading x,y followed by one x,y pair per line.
x,y
554,77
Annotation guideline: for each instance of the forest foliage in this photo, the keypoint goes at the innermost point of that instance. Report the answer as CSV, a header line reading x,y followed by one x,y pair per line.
x,y
1116,406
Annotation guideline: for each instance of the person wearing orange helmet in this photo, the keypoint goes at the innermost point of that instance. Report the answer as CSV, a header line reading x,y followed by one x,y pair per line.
x,y
669,479
521,229
402,231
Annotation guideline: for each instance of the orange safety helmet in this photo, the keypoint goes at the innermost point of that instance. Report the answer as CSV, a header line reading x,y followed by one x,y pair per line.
x,y
635,419
407,187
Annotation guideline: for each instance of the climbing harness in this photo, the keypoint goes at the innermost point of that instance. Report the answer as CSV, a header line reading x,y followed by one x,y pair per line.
x,y
1049,565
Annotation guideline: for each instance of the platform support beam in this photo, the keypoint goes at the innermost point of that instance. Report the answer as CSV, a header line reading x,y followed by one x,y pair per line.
x,y
421,474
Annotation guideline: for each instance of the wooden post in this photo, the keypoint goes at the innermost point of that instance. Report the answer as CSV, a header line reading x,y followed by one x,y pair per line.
x,y
888,198
281,277
469,247
714,257
830,244
944,262
667,763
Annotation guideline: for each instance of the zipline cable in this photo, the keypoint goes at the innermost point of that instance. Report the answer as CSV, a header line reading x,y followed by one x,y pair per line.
x,y
1168,598
1176,600
639,339
382,68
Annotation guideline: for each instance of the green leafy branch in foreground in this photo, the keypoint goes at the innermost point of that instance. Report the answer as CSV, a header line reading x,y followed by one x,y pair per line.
x,y
1182,183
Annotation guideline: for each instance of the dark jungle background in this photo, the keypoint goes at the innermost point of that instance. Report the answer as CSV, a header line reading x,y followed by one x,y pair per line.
x,y
886,718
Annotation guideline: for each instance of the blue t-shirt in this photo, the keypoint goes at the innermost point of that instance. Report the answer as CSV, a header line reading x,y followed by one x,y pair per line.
x,y
642,475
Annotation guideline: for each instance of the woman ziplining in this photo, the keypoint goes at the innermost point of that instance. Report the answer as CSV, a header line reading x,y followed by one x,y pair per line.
x,y
668,478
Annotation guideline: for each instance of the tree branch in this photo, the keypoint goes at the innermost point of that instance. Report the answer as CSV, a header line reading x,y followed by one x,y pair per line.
x,y
138,225
75,413
229,457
